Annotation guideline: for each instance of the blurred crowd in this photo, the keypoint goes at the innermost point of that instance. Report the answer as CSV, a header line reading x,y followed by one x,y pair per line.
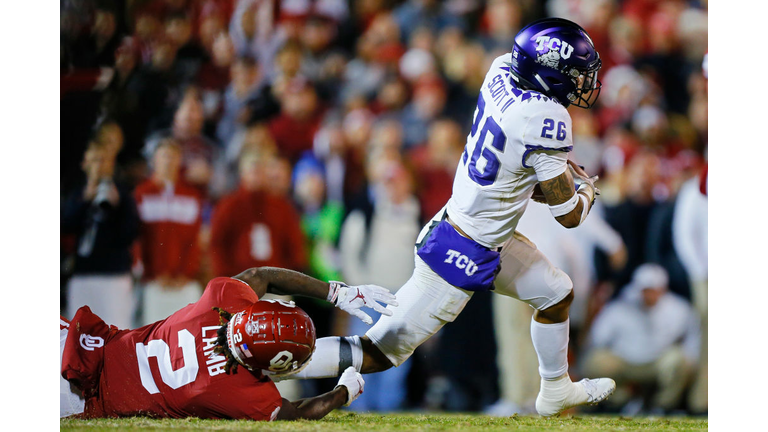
x,y
203,137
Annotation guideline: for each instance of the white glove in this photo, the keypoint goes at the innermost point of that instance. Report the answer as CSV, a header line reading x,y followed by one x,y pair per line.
x,y
352,298
587,184
353,381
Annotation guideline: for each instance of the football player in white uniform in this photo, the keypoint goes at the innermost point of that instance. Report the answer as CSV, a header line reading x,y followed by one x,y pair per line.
x,y
519,141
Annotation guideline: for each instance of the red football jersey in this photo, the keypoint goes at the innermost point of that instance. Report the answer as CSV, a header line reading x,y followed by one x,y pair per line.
x,y
167,369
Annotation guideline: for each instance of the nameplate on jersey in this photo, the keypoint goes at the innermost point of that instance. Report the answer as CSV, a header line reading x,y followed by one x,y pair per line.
x,y
460,261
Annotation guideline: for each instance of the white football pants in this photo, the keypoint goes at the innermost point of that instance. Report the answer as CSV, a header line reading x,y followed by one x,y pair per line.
x,y
427,302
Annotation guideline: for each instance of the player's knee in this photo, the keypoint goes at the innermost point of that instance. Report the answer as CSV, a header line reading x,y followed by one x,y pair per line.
x,y
565,303
558,312
373,359
560,285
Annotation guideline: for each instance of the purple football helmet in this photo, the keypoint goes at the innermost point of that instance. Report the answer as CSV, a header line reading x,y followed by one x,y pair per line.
x,y
557,58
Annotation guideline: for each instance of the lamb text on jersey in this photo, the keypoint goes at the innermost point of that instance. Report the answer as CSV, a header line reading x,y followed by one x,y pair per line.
x,y
215,362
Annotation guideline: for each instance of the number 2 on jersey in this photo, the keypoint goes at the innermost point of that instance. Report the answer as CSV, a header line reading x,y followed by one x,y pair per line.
x,y
492,165
160,349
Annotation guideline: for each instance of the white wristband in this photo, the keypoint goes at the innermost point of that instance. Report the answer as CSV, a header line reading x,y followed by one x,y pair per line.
x,y
584,208
333,291
588,189
564,208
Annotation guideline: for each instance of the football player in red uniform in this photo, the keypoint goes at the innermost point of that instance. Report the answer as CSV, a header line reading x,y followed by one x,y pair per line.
x,y
187,365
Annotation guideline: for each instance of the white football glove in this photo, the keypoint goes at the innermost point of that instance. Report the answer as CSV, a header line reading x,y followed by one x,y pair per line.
x,y
351,299
585,183
353,381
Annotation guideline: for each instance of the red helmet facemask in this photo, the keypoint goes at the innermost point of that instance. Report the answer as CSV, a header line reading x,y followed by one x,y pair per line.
x,y
272,335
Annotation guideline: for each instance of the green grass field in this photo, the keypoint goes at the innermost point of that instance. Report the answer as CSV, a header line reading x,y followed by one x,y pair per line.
x,y
345,421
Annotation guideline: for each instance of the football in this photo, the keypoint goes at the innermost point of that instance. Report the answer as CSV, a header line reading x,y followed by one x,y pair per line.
x,y
538,195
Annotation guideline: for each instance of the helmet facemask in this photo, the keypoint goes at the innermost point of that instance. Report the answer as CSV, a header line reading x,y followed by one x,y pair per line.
x,y
587,84
292,370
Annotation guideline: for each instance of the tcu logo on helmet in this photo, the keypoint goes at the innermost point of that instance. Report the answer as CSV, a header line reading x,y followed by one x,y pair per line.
x,y
281,361
551,50
462,261
546,43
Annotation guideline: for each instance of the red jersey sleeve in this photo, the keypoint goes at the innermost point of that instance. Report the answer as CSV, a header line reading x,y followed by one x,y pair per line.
x,y
83,356
224,292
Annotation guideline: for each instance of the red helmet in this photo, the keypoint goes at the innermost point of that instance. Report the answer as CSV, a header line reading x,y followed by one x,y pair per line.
x,y
272,335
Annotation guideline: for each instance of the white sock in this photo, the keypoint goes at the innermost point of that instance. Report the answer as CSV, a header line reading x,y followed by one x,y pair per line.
x,y
332,356
551,344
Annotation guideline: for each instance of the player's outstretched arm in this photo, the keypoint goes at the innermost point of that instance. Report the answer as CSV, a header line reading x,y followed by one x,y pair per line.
x,y
569,205
282,281
350,299
313,408
349,388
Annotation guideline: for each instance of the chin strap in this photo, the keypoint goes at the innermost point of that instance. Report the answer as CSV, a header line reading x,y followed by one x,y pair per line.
x,y
541,81
524,83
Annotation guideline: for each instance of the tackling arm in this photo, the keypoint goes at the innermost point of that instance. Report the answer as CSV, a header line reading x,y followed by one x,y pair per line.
x,y
350,299
313,408
350,387
281,281
569,205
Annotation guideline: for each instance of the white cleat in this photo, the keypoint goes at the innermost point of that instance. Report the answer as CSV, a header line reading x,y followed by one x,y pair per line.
x,y
557,396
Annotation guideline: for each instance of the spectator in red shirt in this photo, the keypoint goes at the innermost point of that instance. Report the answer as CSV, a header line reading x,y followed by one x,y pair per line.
x,y
170,213
252,227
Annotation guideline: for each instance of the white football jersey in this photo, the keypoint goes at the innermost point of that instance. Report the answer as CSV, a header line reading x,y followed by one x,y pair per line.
x,y
518,138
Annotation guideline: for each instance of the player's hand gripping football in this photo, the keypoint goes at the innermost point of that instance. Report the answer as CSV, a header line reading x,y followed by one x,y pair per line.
x,y
582,180
579,177
352,299
538,194
353,381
